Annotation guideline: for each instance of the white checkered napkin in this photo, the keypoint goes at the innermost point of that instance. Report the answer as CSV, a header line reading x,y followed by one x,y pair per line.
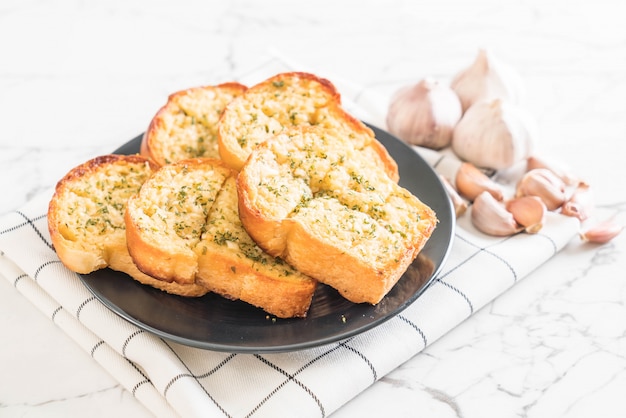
x,y
171,379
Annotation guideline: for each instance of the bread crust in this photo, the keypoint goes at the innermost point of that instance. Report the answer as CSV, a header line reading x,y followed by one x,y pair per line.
x,y
120,260
186,126
235,267
220,256
85,219
331,224
165,219
287,100
194,224
87,253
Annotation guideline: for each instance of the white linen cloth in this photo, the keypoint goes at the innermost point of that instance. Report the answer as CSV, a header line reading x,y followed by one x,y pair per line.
x,y
175,380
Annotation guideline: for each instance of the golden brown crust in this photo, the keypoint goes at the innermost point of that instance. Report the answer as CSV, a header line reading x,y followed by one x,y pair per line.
x,y
165,219
284,297
188,233
121,260
284,101
72,207
85,217
232,265
309,197
212,250
186,126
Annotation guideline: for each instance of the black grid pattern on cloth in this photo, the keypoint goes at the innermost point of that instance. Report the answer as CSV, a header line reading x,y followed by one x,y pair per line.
x,y
95,347
59,309
448,279
284,375
448,283
415,327
31,222
478,250
18,278
189,374
289,378
139,384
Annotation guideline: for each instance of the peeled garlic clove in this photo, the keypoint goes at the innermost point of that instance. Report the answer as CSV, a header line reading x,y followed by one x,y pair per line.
x,y
424,114
602,232
459,204
470,182
487,78
491,217
528,211
494,134
545,185
559,169
580,204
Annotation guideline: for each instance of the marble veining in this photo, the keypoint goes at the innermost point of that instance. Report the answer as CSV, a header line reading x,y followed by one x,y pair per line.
x,y
79,79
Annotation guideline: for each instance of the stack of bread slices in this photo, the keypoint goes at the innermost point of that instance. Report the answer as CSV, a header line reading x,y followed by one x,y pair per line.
x,y
256,194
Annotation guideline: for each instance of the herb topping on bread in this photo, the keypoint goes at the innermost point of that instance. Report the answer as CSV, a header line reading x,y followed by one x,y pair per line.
x,y
86,218
310,197
184,227
287,100
186,126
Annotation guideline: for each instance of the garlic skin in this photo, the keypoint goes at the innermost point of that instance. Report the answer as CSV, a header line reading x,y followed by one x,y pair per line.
x,y
494,134
460,205
491,217
602,232
424,114
470,182
580,204
558,168
487,78
544,184
528,211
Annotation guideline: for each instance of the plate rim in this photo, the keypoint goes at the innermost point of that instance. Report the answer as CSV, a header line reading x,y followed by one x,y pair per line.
x,y
306,344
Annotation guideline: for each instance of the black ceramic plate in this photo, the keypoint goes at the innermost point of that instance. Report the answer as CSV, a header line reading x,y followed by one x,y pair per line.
x,y
212,322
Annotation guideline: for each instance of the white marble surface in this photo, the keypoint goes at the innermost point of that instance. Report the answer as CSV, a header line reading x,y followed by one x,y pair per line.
x,y
79,78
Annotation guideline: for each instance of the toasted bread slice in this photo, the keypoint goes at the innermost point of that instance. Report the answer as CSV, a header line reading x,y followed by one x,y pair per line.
x,y
232,265
313,199
284,101
184,227
166,219
186,126
86,218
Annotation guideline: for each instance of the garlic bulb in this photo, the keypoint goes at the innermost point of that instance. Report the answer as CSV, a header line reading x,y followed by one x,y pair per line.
x,y
494,134
424,114
486,79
